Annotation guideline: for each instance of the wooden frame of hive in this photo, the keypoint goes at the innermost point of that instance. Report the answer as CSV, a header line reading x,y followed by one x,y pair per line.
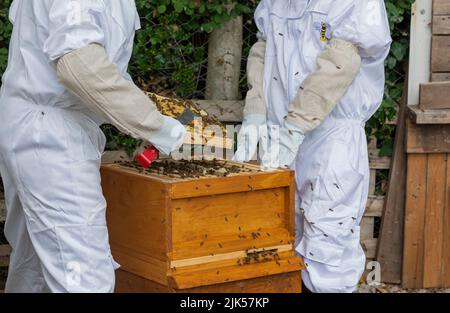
x,y
188,233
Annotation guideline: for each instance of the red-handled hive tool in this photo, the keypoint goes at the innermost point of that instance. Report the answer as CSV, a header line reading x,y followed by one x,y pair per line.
x,y
146,158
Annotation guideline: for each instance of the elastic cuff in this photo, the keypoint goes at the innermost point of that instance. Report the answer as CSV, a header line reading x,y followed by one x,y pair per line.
x,y
255,119
169,137
291,123
294,128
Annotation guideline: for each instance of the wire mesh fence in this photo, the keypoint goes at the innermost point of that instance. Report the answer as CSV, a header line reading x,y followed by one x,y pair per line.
x,y
171,59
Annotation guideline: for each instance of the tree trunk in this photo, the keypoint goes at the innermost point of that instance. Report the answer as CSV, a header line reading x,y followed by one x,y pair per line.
x,y
224,61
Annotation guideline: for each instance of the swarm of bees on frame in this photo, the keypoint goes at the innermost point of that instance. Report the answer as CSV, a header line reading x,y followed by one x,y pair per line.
x,y
175,108
188,169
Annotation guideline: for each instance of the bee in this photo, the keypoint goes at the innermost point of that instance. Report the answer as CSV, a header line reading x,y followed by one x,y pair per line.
x,y
323,32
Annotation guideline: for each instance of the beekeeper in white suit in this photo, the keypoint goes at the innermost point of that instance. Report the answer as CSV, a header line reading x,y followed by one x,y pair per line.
x,y
317,72
67,73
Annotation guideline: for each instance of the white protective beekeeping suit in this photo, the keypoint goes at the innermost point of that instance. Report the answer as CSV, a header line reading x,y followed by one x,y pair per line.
x,y
67,72
323,68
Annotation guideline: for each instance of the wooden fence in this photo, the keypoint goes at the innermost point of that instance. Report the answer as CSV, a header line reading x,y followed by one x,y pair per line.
x,y
426,258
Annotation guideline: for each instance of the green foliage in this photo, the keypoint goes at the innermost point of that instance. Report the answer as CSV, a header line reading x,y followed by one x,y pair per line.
x,y
399,12
170,53
119,141
5,33
171,49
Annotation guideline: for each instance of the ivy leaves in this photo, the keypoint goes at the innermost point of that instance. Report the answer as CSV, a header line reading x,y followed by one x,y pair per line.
x,y
399,12
172,46
5,34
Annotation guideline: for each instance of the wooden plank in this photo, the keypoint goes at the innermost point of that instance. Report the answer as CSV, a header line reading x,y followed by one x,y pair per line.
x,y
446,236
227,111
379,163
241,183
412,271
433,240
216,222
390,242
208,277
373,173
140,264
282,283
440,77
367,228
441,7
225,256
5,251
440,50
435,95
420,48
370,247
441,25
374,207
427,138
229,243
138,220
418,116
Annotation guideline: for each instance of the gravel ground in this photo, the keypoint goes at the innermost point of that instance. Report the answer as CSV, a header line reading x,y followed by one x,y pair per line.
x,y
362,289
383,288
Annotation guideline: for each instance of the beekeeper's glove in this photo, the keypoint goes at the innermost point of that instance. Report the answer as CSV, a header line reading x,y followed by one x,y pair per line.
x,y
252,130
170,136
284,148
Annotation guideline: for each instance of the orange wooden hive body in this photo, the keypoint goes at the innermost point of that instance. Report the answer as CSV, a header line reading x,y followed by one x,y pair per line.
x,y
192,233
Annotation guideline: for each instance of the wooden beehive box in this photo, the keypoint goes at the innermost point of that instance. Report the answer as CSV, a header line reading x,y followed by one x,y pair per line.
x,y
192,232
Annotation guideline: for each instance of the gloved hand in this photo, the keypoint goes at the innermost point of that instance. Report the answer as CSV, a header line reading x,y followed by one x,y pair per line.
x,y
290,139
249,136
169,137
